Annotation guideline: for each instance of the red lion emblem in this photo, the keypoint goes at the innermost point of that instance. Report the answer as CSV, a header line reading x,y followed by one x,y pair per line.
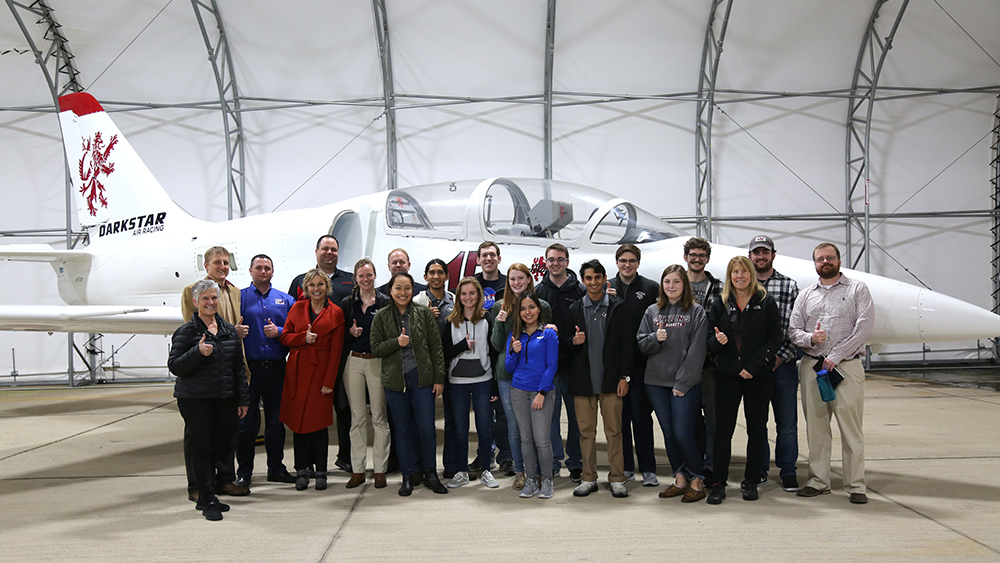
x,y
99,164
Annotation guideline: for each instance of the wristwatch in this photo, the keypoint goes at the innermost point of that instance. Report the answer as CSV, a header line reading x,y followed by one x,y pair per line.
x,y
543,393
627,379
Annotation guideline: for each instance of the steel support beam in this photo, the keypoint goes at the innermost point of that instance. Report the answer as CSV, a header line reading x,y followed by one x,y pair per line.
x,y
388,98
550,53
229,101
995,230
710,54
861,104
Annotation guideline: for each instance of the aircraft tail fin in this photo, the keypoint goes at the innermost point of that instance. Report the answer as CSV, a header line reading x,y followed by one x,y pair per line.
x,y
115,192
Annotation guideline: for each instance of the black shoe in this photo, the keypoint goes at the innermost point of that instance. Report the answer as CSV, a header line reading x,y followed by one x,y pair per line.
x,y
576,475
507,468
320,480
344,466
301,479
432,482
750,492
717,495
406,488
243,482
223,507
283,477
789,483
214,511
743,483
417,478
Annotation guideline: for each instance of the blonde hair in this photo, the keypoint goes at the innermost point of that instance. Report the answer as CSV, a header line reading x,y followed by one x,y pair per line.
x,y
312,274
729,289
458,314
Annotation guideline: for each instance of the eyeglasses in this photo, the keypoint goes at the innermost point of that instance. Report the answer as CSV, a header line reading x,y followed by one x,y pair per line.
x,y
559,260
693,256
628,261
821,259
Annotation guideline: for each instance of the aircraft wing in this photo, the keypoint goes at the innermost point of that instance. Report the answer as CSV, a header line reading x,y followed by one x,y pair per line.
x,y
106,319
39,253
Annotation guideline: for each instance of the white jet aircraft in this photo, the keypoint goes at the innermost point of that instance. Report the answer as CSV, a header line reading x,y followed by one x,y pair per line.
x,y
143,249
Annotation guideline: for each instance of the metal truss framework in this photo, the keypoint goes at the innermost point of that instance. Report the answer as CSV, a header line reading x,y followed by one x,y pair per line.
x,y
388,98
229,102
995,196
550,54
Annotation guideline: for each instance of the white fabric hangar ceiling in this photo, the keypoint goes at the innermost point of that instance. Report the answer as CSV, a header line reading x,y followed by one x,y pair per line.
x,y
469,78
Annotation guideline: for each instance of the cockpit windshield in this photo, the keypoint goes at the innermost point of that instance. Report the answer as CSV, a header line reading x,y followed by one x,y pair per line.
x,y
434,207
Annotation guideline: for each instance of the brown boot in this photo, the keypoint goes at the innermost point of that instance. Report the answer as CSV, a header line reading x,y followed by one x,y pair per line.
x,y
380,480
356,480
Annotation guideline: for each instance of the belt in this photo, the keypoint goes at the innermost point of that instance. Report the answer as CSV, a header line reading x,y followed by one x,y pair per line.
x,y
362,355
266,364
842,361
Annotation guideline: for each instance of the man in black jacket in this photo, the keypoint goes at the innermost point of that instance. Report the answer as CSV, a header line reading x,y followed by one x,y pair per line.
x,y
637,294
599,376
560,288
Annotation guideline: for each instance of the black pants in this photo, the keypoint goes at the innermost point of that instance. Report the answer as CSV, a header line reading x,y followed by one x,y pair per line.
x,y
206,423
756,396
225,456
266,382
311,449
637,417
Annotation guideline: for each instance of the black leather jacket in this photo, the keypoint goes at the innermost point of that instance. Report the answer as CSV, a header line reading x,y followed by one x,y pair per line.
x,y
218,376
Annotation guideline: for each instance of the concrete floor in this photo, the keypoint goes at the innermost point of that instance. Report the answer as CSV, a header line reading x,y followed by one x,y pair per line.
x,y
96,474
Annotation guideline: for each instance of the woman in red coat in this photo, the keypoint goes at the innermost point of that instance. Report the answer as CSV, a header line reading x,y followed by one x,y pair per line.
x,y
314,331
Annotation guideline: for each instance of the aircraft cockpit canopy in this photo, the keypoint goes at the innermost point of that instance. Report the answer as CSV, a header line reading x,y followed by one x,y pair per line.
x,y
521,208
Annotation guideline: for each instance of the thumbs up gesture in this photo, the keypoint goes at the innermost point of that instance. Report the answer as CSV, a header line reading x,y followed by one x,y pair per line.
x,y
204,347
661,333
471,341
515,345
580,337
403,339
271,329
502,315
818,335
721,336
355,329
610,290
310,335
242,329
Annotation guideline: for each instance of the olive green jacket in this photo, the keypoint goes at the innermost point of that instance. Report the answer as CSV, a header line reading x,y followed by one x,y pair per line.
x,y
425,340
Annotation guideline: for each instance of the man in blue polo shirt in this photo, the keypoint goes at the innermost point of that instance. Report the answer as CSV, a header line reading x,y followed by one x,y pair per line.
x,y
264,309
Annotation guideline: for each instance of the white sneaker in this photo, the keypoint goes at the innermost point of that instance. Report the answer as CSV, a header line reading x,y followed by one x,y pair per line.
x,y
585,488
618,490
461,478
547,488
649,479
629,476
487,479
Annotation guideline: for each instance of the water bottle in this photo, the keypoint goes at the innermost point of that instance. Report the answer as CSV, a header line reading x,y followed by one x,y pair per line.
x,y
826,391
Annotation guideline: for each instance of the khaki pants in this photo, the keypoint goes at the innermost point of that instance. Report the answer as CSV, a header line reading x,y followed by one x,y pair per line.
x,y
586,416
849,408
360,374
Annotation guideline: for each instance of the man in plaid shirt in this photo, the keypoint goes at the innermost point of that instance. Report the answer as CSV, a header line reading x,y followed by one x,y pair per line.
x,y
784,290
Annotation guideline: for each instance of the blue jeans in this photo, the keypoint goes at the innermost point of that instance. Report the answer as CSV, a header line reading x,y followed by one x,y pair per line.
x,y
678,417
265,385
513,433
786,421
413,413
536,448
478,395
572,453
637,418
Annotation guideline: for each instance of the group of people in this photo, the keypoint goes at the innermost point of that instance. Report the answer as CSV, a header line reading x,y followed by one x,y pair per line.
x,y
688,349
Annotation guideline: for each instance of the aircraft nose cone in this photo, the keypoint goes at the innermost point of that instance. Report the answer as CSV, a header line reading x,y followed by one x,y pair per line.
x,y
943,318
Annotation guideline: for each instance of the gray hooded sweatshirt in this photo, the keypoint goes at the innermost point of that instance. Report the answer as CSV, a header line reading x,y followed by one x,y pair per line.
x,y
677,361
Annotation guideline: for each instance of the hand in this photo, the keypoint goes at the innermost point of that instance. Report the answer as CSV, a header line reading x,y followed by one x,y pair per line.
x,y
494,398
271,329
622,387
610,290
538,402
661,334
325,390
403,339
721,336
355,329
818,335
745,374
436,311
241,329
204,347
828,364
242,411
677,393
552,326
471,342
515,345
502,315
438,389
580,337
778,360
310,335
